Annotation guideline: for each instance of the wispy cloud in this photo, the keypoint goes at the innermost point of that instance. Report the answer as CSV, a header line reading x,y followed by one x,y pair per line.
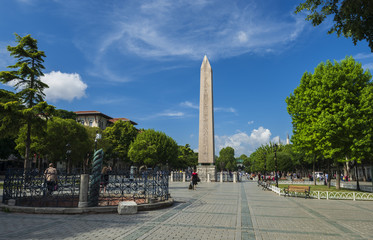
x,y
159,29
229,110
189,105
368,66
250,122
361,56
172,114
165,30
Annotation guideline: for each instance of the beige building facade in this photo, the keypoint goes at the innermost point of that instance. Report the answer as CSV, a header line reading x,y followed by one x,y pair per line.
x,y
97,119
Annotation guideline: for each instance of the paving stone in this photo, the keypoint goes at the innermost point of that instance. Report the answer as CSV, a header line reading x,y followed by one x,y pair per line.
x,y
213,211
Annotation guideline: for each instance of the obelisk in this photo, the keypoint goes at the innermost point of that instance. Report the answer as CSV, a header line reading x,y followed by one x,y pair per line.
x,y
206,146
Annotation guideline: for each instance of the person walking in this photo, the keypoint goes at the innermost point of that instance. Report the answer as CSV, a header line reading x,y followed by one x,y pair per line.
x,y
51,178
105,177
195,179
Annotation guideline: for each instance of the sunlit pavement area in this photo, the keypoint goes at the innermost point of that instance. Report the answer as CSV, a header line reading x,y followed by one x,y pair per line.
x,y
212,211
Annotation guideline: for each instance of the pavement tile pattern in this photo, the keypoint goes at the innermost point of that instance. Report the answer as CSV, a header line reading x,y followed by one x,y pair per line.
x,y
213,211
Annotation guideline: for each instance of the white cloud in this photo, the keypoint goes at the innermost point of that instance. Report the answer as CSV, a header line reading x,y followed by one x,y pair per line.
x,y
5,58
189,105
243,143
368,66
360,56
250,122
242,37
172,114
219,109
63,86
159,29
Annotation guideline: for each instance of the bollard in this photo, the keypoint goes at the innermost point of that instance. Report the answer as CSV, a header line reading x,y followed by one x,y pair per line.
x,y
234,177
221,176
172,176
183,176
83,194
208,177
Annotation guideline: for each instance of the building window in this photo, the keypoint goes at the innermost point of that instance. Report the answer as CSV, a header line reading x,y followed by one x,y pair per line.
x,y
90,123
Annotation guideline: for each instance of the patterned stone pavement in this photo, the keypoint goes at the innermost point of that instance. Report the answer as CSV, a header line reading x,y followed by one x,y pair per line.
x,y
213,211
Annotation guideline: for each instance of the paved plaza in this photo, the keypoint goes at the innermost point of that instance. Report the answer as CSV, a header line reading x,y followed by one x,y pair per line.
x,y
213,211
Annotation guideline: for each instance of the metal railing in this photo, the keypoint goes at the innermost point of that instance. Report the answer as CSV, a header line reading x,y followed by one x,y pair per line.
x,y
29,188
330,195
143,187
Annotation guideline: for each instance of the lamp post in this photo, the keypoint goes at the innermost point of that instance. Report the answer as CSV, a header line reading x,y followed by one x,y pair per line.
x,y
98,136
275,148
265,166
68,153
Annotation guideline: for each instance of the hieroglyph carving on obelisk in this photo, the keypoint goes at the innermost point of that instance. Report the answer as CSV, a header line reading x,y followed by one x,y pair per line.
x,y
206,148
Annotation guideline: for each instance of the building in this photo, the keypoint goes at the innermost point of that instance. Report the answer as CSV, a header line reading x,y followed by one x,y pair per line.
x,y
97,119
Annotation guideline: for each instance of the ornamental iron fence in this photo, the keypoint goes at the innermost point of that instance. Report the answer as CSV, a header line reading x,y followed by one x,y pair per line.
x,y
29,188
141,187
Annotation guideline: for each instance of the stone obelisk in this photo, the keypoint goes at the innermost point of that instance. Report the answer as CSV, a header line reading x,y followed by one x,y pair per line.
x,y
206,147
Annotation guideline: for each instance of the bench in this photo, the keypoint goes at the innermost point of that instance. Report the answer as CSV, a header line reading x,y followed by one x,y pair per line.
x,y
297,189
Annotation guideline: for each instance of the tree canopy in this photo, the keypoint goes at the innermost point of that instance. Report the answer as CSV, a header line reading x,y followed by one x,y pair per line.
x,y
25,76
352,18
153,148
326,111
226,159
119,138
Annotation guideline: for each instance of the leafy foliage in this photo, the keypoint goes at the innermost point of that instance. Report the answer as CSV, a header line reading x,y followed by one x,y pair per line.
x,y
186,158
153,148
226,159
326,110
352,18
119,138
25,76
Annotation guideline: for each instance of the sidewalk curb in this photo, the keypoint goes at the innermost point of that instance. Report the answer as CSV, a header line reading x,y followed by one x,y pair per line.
x,y
55,210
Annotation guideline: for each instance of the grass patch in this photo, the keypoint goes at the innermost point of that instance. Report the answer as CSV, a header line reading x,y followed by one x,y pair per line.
x,y
315,188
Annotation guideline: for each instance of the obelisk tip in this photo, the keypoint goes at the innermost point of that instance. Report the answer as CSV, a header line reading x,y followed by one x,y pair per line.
x,y
205,62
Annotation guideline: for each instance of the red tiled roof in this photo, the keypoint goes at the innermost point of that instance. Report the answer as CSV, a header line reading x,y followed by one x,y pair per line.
x,y
92,113
113,120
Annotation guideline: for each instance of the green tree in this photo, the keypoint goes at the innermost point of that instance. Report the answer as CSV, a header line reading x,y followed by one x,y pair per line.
x,y
186,158
63,135
326,112
352,18
61,113
11,119
226,159
153,148
26,77
119,137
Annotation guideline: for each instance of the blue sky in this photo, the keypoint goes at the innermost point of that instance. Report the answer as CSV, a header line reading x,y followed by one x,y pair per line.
x,y
141,60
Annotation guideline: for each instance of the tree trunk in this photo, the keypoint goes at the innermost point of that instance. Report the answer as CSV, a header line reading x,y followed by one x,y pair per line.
x,y
329,177
313,172
26,163
357,177
364,173
338,179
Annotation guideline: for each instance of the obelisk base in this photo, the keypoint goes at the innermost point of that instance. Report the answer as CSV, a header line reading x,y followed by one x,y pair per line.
x,y
207,173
